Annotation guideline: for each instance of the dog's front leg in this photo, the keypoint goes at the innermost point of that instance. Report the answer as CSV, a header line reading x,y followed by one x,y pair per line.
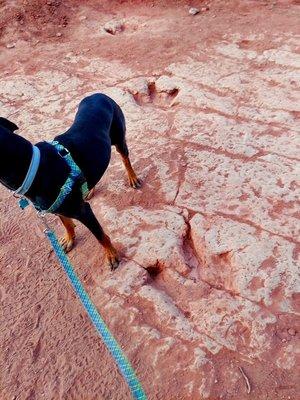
x,y
67,242
88,218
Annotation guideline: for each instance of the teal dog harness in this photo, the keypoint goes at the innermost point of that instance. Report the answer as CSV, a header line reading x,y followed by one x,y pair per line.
x,y
74,176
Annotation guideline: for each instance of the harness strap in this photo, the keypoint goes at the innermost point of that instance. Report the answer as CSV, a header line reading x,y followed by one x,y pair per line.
x,y
74,174
64,191
31,173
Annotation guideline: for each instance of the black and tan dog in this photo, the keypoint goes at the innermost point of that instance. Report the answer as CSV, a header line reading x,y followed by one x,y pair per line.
x,y
99,124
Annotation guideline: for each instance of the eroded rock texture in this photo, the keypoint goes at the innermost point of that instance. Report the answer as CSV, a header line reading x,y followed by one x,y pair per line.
x,y
206,294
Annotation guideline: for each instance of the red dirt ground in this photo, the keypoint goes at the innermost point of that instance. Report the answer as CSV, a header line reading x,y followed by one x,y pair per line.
x,y
215,223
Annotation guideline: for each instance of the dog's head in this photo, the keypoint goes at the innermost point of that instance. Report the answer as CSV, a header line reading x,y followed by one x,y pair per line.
x,y
8,141
8,125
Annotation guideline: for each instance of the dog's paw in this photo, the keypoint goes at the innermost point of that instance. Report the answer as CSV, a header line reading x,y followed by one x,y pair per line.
x,y
66,243
135,182
113,261
114,264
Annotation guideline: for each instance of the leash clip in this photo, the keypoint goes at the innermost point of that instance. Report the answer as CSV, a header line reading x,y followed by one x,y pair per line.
x,y
42,216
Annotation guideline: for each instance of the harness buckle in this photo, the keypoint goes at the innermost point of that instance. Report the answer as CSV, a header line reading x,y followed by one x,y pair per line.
x,y
16,195
63,152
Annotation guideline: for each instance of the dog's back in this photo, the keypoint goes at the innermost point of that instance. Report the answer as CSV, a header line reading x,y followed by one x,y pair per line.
x,y
92,133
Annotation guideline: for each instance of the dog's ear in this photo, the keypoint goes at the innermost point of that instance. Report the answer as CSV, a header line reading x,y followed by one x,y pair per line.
x,y
8,124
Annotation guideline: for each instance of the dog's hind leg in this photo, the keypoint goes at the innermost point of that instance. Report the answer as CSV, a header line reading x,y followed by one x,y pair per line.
x,y
87,217
117,134
67,242
133,179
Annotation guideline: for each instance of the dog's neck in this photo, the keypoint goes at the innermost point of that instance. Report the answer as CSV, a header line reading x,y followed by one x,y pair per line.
x,y
15,157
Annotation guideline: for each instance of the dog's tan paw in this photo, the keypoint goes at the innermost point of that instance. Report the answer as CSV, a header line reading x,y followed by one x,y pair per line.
x,y
66,243
135,182
112,260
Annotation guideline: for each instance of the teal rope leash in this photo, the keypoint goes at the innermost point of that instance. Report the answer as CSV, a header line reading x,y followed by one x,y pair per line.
x,y
111,343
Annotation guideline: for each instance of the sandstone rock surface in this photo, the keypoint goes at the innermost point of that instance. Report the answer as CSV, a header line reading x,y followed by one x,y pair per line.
x,y
208,285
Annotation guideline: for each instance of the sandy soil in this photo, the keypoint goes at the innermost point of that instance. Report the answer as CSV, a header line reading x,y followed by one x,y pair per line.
x,y
206,300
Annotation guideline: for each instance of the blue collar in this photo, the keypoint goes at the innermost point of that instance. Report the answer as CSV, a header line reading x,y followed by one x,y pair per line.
x,y
31,173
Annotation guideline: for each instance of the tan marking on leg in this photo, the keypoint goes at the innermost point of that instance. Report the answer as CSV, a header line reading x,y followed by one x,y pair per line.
x,y
133,179
67,242
90,194
111,252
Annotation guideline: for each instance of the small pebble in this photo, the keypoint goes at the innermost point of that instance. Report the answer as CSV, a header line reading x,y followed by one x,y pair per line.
x,y
203,9
114,27
59,34
82,18
292,332
194,11
11,45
